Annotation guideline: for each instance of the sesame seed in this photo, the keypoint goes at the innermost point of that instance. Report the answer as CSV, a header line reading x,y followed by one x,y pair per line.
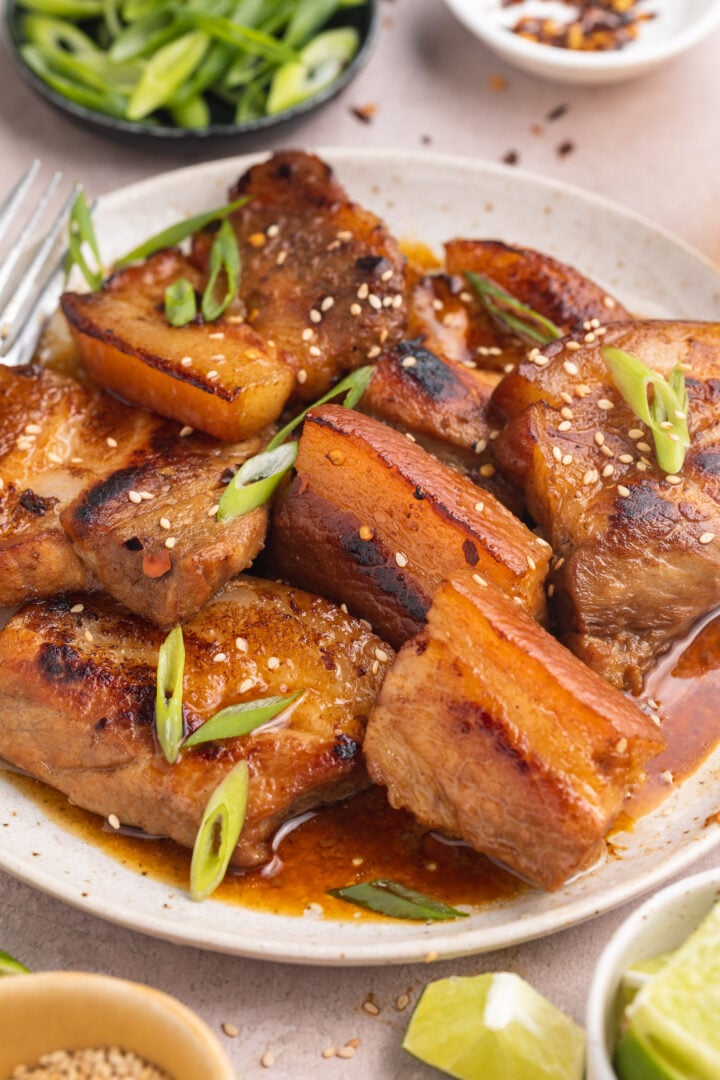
x,y
487,470
408,361
217,336
572,346
609,302
382,656
559,562
113,821
386,275
146,496
327,303
365,532
373,352
186,361
667,776
621,746
329,1052
170,542
273,663
308,334
479,580
213,510
336,457
371,1008
315,351
608,470
557,453
479,506
480,445
627,459
315,315
680,414
88,636
230,1030
666,425
164,523
410,437
582,390
401,558
636,433
567,459
267,1060
375,302
397,301
364,291
245,685
605,449
112,443
135,497
437,304
281,257
623,491
507,368
355,309
213,374
645,447
301,376
590,477
707,538
533,353
674,480
375,667
605,404
531,563
673,437
77,608
564,425
54,458
641,466
241,644
570,367
589,338
599,438
185,431
402,1002
566,413
567,398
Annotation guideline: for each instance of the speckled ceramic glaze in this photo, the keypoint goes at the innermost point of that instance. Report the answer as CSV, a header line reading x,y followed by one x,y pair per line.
x,y
430,199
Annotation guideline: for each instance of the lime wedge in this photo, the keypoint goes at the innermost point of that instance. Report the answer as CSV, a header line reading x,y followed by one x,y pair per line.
x,y
672,1023
492,1027
10,966
641,973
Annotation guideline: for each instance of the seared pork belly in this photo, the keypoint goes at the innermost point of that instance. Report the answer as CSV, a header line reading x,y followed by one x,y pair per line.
x,y
222,377
638,552
95,494
489,730
373,521
445,406
321,277
552,288
77,694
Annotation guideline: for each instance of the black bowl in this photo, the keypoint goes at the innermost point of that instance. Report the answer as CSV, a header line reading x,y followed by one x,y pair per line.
x,y
222,125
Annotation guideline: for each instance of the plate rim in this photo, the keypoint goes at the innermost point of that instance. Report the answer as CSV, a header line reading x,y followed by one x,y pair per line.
x,y
528,925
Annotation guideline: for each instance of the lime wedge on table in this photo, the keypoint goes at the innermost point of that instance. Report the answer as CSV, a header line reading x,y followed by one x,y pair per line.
x,y
672,1028
10,966
494,1027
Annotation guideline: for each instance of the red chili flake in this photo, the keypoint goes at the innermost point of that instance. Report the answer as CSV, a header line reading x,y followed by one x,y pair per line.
x,y
511,158
497,83
426,140
364,113
155,566
557,113
565,148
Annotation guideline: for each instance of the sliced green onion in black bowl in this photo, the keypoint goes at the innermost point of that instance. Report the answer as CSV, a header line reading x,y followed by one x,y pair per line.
x,y
188,69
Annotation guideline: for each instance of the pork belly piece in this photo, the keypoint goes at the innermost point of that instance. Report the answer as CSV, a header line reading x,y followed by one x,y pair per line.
x,y
95,494
374,521
488,729
552,288
322,277
222,378
77,694
446,407
638,552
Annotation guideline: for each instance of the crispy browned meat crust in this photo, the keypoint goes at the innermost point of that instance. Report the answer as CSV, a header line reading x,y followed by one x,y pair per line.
x,y
72,461
374,521
490,730
77,692
632,573
223,378
306,248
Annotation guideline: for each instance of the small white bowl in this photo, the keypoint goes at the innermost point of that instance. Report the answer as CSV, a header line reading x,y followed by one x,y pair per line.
x,y
68,1010
679,25
660,925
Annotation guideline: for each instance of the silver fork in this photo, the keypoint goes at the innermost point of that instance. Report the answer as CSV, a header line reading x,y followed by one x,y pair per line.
x,y
31,271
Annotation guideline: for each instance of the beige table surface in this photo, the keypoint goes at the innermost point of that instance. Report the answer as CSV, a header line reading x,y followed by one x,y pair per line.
x,y
653,145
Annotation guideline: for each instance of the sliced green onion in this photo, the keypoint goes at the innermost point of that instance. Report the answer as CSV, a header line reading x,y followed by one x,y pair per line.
x,y
665,414
390,898
65,9
224,257
175,234
144,37
10,966
81,232
527,323
168,698
255,481
166,71
242,37
240,719
353,386
219,832
180,303
317,67
308,17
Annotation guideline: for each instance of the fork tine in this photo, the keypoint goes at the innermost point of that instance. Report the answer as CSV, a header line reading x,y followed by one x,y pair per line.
x,y
24,300
16,196
20,246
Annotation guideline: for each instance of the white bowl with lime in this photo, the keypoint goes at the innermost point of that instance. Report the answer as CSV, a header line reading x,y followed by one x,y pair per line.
x,y
654,1006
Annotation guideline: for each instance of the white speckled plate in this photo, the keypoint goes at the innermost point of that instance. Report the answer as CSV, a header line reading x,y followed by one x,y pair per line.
x,y
426,198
